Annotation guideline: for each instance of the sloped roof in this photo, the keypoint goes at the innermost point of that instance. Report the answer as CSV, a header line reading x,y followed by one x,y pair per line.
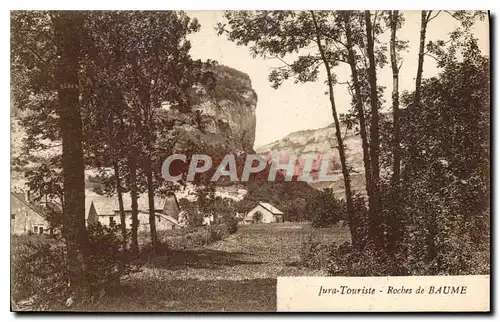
x,y
19,195
271,208
171,219
92,215
36,208
171,206
108,205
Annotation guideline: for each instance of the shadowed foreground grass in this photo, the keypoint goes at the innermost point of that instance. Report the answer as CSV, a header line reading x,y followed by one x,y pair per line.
x,y
235,274
151,295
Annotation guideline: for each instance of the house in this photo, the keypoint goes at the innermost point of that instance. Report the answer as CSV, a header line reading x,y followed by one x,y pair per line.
x,y
26,216
208,220
106,211
264,213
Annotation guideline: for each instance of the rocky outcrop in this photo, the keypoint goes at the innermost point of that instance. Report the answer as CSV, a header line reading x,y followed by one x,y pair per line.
x,y
323,143
229,110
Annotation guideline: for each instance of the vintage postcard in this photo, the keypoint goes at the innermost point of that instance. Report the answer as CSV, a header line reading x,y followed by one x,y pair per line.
x,y
250,161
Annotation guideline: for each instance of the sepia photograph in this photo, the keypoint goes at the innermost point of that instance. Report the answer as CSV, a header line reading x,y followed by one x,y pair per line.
x,y
250,161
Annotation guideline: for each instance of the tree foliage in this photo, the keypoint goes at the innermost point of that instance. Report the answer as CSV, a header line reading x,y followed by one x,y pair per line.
x,y
325,210
447,175
97,82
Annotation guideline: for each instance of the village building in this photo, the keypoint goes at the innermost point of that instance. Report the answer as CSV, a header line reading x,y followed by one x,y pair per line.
x,y
208,220
264,213
26,216
106,211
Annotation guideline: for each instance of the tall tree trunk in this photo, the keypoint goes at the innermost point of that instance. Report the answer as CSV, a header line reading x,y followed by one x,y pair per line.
x,y
394,234
411,165
151,202
67,29
431,225
123,218
133,196
148,132
396,167
359,107
345,170
425,16
375,211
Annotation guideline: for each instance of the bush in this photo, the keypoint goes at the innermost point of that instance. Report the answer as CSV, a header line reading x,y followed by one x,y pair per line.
x,y
314,254
190,237
220,232
231,222
345,260
233,226
108,263
348,261
325,210
257,217
40,279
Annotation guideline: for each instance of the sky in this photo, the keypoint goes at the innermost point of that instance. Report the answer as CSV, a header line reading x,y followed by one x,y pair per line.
x,y
294,107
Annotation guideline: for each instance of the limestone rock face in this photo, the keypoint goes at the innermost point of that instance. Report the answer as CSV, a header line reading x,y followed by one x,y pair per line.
x,y
323,143
229,110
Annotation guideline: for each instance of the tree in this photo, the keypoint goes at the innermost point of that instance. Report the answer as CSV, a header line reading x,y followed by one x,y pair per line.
x,y
104,141
106,112
424,21
280,33
356,47
325,210
466,20
164,73
67,33
358,99
352,60
447,193
257,217
142,72
119,192
34,97
338,134
395,21
295,209
376,231
46,53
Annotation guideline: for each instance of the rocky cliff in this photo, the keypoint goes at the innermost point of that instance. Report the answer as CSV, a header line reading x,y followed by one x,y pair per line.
x,y
229,110
323,143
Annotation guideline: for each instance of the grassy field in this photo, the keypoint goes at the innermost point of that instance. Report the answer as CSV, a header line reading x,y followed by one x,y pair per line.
x,y
235,274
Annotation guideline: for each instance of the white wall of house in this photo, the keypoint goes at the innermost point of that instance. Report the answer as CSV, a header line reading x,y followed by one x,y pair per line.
x,y
267,216
207,221
162,223
25,220
29,221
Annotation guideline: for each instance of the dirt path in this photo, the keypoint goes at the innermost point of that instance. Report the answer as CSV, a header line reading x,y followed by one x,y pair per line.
x,y
235,274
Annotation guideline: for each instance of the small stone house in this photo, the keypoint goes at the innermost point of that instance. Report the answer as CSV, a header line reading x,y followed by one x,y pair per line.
x,y
26,216
105,210
264,213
